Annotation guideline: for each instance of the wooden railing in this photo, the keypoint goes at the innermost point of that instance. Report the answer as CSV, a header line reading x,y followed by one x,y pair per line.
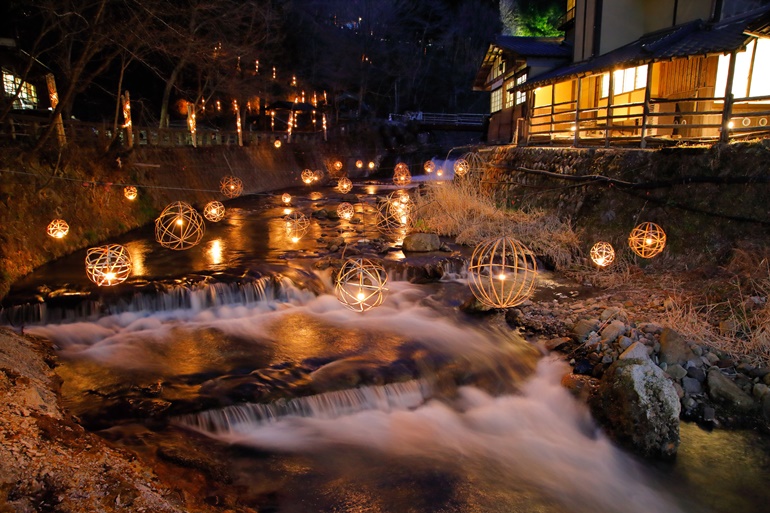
x,y
658,121
441,119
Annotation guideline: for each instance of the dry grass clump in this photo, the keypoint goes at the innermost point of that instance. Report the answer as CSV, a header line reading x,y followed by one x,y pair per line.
x,y
621,272
459,209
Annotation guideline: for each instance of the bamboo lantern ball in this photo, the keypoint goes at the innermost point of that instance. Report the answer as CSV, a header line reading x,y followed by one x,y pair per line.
x,y
429,166
308,176
502,272
231,186
602,254
395,215
647,240
461,167
286,198
58,228
359,164
130,192
337,165
401,175
346,211
277,143
318,175
214,211
371,164
179,226
361,284
296,225
345,185
108,265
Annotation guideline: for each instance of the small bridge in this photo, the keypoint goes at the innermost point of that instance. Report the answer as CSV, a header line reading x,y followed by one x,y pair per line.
x,y
442,120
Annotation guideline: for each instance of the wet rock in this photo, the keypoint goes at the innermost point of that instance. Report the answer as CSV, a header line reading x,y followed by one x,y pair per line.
x,y
723,391
612,331
319,214
580,385
639,407
674,348
192,457
760,390
421,242
583,366
708,414
691,386
557,343
583,329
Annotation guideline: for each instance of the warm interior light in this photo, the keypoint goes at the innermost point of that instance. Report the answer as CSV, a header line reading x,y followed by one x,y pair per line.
x,y
109,276
277,143
295,239
180,221
730,124
371,165
360,296
501,276
648,241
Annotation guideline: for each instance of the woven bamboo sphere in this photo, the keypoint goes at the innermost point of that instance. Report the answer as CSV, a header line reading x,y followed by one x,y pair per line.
x,y
475,162
296,225
429,166
502,272
130,192
318,175
231,186
401,175
308,176
647,240
361,284
337,165
286,198
179,226
344,185
602,253
371,164
277,143
346,211
108,265
359,164
214,211
58,228
395,215
461,167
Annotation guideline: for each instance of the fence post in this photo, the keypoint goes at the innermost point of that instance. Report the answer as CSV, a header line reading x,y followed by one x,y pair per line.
x,y
727,109
610,99
576,142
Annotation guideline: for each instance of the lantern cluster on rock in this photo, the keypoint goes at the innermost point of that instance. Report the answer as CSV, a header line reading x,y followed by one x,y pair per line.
x,y
602,254
502,272
231,186
647,240
429,166
58,228
401,174
346,211
130,192
108,265
395,215
296,225
179,226
344,185
461,167
214,211
308,176
361,284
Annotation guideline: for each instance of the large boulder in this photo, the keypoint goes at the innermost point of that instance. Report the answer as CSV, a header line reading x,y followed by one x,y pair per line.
x,y
638,407
421,242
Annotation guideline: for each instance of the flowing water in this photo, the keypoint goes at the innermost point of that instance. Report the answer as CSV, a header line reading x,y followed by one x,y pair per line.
x,y
245,367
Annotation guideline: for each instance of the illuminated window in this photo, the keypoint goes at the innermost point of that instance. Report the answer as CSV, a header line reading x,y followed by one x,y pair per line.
x,y
521,96
625,80
496,100
498,68
27,98
746,81
509,95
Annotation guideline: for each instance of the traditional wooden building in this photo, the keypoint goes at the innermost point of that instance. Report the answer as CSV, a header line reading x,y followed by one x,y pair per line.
x,y
652,72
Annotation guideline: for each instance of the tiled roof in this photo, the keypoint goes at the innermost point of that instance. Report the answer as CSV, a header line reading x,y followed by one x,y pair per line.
x,y
535,46
693,38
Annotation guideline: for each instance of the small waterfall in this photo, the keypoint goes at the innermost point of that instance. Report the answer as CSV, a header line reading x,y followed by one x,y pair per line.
x,y
329,405
196,296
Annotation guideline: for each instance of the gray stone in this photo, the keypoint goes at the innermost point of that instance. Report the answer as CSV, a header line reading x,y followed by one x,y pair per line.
x,y
651,327
697,373
625,342
766,407
709,414
607,358
331,213
691,386
760,390
712,358
613,330
766,379
639,408
728,394
637,350
583,329
676,371
421,242
613,313
673,347
697,350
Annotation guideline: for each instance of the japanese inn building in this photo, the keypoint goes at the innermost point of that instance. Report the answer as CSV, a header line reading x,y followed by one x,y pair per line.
x,y
634,73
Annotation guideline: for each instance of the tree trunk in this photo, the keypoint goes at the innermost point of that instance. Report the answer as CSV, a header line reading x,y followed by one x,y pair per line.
x,y
167,92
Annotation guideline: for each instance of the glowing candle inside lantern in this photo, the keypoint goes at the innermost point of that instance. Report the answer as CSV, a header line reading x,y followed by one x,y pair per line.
x,y
501,276
295,239
180,221
109,277
286,198
371,165
360,296
648,241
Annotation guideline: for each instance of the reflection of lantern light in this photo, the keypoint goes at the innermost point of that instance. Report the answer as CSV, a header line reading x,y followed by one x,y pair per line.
x,y
359,164
130,192
231,186
346,211
647,240
296,225
214,211
277,143
509,286
108,265
58,228
361,284
286,211
307,176
179,226
215,252
602,254
286,198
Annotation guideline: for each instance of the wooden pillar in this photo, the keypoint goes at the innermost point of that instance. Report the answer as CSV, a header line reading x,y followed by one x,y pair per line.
x,y
553,101
576,141
610,100
126,101
646,106
727,110
53,95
